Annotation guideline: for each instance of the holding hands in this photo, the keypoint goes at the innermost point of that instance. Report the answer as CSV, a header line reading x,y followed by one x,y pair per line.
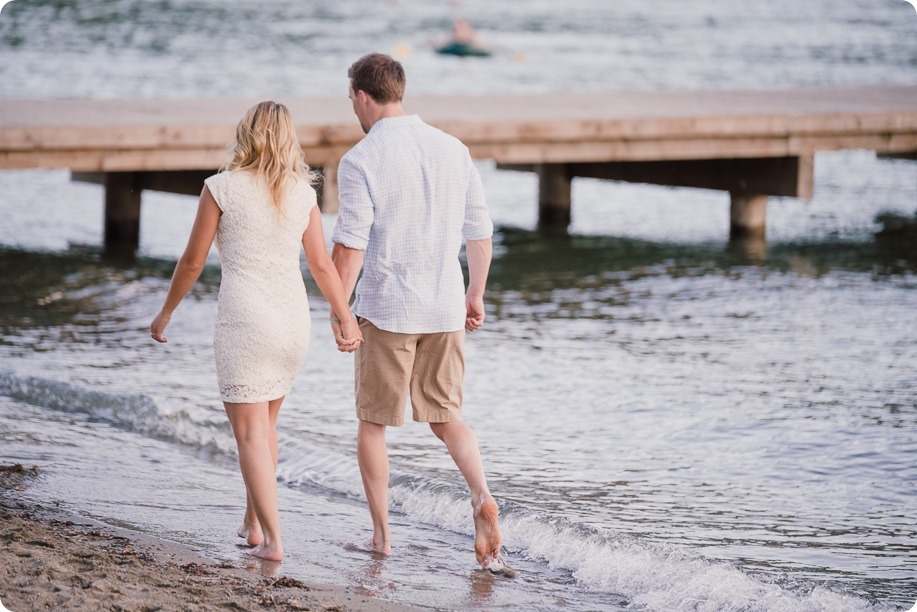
x,y
347,333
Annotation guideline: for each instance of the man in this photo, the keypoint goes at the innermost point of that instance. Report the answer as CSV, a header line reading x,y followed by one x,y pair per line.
x,y
409,193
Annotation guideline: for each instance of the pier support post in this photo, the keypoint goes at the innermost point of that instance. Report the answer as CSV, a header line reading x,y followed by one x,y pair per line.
x,y
328,192
747,214
554,184
122,212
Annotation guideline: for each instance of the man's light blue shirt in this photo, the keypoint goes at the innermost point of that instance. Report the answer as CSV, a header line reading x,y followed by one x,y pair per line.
x,y
409,194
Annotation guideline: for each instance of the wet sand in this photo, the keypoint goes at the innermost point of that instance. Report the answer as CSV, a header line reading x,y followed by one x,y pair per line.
x,y
53,561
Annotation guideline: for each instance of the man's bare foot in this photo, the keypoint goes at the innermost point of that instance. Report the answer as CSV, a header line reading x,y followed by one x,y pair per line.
x,y
272,552
486,531
382,548
251,533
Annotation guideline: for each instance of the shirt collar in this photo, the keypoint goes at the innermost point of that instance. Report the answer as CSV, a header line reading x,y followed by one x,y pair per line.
x,y
395,121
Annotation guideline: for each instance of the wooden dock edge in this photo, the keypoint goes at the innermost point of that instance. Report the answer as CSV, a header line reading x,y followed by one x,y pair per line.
x,y
750,143
749,182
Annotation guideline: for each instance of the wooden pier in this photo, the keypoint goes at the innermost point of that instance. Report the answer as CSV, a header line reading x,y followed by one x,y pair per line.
x,y
750,143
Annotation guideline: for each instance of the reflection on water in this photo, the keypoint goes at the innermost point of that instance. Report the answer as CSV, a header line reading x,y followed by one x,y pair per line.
x,y
78,285
587,277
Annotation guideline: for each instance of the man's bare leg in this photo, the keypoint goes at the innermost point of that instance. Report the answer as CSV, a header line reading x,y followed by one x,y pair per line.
x,y
251,528
372,455
463,447
251,428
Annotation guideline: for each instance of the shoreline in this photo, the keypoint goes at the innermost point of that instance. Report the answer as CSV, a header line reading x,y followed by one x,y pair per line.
x,y
55,560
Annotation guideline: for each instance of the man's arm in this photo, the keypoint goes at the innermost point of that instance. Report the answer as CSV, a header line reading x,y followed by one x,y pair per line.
x,y
479,254
348,263
477,231
351,232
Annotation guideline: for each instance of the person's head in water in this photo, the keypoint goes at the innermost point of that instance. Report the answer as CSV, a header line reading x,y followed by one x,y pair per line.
x,y
376,88
266,145
463,33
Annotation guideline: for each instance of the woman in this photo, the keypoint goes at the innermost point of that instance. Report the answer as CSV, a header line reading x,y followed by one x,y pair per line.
x,y
260,208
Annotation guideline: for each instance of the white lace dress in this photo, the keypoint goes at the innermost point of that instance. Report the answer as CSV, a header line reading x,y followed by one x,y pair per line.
x,y
262,326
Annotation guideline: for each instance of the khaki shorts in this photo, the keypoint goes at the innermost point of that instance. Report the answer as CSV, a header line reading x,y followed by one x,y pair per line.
x,y
388,364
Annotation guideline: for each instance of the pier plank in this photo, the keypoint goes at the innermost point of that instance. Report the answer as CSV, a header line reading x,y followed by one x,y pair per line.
x,y
664,135
30,126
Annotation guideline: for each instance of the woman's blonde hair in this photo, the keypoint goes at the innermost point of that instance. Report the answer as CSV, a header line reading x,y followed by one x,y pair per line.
x,y
266,144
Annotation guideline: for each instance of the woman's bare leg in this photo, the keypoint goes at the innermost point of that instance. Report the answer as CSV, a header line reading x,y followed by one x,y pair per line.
x,y
251,426
251,528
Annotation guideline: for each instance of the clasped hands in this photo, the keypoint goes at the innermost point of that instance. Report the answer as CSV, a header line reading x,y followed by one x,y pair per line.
x,y
347,333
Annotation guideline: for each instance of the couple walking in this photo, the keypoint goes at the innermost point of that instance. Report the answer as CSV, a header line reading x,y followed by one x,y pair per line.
x,y
409,194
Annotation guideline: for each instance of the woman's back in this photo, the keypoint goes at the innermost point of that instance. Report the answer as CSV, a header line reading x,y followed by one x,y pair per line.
x,y
257,241
262,327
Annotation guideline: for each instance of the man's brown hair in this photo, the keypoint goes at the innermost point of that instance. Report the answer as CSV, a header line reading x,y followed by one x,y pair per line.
x,y
380,76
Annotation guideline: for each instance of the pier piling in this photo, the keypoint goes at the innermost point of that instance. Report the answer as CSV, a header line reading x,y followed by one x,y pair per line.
x,y
747,216
554,195
328,189
122,211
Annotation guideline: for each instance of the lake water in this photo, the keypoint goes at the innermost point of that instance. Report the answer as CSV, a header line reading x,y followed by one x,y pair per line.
x,y
668,421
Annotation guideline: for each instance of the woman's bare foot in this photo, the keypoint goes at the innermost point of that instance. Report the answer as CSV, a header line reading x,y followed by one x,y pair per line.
x,y
250,533
269,552
486,531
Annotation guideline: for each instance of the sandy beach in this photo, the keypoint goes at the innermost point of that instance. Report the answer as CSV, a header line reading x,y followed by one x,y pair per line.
x,y
52,561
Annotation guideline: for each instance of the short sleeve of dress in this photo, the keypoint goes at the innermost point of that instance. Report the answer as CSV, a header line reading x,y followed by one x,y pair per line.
x,y
217,186
305,199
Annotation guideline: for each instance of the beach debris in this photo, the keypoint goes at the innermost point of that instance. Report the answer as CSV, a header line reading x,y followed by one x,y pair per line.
x,y
13,477
89,565
287,582
80,581
196,569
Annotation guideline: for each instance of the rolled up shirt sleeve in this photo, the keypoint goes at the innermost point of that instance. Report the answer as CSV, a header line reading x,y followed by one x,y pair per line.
x,y
477,225
355,217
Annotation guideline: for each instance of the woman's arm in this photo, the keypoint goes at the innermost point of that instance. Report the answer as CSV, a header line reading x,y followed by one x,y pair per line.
x,y
191,263
326,276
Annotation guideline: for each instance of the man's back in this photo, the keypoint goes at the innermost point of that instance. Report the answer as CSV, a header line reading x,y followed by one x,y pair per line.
x,y
409,194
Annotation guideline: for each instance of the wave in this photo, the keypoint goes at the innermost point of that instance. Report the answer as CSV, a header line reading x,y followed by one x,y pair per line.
x,y
132,412
307,464
649,575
